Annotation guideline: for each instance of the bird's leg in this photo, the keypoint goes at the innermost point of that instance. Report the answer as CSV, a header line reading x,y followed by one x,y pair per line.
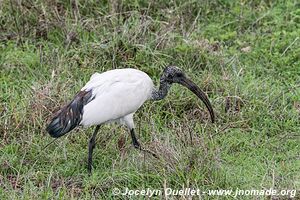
x,y
137,145
91,148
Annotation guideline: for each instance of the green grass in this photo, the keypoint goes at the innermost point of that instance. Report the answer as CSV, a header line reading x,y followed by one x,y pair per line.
x,y
244,54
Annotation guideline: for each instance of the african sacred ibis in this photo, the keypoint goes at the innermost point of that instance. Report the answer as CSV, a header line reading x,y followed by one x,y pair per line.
x,y
114,96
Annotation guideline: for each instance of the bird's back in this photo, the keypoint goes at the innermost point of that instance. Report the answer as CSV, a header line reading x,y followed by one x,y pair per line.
x,y
105,97
116,94
127,74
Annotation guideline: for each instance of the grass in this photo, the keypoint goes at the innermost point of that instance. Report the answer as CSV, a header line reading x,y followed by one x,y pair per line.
x,y
244,54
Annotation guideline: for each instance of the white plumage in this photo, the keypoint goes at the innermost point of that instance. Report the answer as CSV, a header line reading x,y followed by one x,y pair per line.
x,y
114,96
117,95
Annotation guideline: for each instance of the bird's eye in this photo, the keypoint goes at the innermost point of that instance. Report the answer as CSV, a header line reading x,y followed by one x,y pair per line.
x,y
179,75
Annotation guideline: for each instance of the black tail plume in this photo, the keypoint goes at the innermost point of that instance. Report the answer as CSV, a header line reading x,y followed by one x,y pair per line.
x,y
67,118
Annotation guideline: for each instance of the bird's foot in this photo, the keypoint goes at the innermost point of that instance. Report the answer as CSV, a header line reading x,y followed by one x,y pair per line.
x,y
137,145
148,151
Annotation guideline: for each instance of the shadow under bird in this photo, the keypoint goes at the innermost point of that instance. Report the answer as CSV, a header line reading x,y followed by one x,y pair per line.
x,y
114,96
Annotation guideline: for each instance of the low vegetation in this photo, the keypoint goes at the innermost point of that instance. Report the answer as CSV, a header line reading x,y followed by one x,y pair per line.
x,y
243,54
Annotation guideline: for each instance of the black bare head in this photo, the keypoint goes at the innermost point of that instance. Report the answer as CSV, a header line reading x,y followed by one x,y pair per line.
x,y
173,74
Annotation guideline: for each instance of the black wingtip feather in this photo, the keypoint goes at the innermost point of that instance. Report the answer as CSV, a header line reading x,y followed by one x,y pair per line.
x,y
69,116
55,129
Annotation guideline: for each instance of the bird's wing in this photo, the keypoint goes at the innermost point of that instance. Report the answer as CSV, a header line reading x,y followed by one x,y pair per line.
x,y
69,116
115,95
111,76
95,75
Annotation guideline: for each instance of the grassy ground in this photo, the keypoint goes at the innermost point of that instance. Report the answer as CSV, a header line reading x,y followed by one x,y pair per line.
x,y
244,54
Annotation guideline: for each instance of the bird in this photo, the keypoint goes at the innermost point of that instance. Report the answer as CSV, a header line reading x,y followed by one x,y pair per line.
x,y
114,96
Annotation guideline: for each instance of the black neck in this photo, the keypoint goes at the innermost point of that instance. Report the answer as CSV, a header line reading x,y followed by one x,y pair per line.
x,y
161,92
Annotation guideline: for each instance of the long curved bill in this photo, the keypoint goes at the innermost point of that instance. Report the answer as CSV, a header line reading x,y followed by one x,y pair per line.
x,y
197,91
